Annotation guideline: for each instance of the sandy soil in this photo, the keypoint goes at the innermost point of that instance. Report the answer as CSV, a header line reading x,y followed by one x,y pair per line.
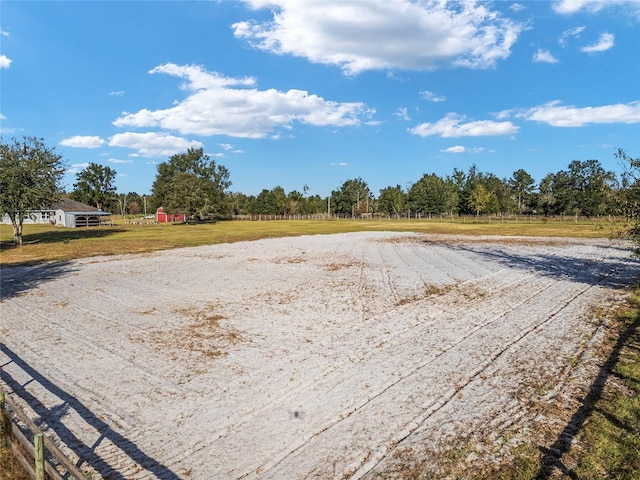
x,y
341,356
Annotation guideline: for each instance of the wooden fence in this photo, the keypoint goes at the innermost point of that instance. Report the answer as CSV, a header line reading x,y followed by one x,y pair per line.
x,y
40,457
442,217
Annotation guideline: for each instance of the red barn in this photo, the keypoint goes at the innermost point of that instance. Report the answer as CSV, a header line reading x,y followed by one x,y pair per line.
x,y
163,217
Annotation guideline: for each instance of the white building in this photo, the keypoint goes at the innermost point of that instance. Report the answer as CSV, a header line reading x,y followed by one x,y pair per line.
x,y
66,213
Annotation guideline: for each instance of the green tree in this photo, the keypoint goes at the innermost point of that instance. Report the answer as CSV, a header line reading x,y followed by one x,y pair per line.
x,y
392,201
352,198
281,200
584,188
427,195
238,203
30,176
523,186
134,203
265,203
95,186
193,184
546,200
631,193
296,202
316,204
480,198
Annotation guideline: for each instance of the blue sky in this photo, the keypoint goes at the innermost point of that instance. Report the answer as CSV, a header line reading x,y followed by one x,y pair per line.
x,y
316,92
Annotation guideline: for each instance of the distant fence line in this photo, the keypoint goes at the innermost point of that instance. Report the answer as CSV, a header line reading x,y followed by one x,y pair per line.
x,y
438,217
38,455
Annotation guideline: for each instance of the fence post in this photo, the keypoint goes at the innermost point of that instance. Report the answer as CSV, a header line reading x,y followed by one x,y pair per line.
x,y
39,456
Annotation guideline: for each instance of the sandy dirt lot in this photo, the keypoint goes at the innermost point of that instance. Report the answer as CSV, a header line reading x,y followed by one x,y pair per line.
x,y
338,356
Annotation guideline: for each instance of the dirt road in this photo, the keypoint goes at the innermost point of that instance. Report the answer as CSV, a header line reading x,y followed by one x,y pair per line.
x,y
338,356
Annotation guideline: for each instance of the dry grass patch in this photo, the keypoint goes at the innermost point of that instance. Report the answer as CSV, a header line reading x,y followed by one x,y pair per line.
x,y
461,293
206,334
47,243
335,266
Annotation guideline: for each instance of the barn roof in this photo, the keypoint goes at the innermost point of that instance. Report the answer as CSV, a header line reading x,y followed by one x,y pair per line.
x,y
68,205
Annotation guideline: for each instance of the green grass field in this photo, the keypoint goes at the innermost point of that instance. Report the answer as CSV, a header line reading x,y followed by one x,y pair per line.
x,y
46,243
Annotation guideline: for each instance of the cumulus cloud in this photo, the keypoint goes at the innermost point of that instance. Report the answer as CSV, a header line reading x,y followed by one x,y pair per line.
x,y
605,42
391,34
557,115
5,61
451,126
573,6
544,56
82,141
456,149
218,105
431,97
153,144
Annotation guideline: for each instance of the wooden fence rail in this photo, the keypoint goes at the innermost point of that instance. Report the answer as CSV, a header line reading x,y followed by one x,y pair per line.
x,y
25,450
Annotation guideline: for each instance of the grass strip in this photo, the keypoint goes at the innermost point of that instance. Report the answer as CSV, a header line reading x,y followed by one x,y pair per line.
x,y
606,428
46,243
10,468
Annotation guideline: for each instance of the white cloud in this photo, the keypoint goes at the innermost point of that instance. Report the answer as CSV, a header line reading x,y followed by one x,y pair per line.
x,y
339,164
568,7
431,97
218,105
153,144
80,141
571,32
5,61
544,56
402,113
605,42
517,7
461,149
4,33
456,149
115,160
451,127
557,115
405,34
2,117
226,146
77,167
117,93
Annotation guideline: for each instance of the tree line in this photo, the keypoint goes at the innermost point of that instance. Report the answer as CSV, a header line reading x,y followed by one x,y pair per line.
x,y
194,184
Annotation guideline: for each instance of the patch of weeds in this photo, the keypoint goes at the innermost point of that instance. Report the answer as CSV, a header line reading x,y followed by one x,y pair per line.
x,y
522,463
289,260
335,266
10,468
429,291
206,334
